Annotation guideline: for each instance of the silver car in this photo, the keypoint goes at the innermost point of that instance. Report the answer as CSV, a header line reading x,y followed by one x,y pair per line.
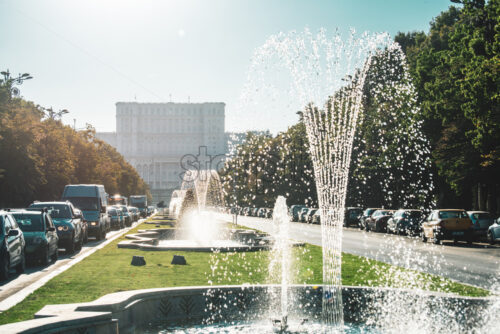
x,y
494,232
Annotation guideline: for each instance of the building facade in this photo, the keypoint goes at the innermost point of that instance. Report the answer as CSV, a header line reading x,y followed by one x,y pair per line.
x,y
156,138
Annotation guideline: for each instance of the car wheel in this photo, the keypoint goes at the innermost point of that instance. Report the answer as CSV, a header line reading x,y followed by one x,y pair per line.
x,y
424,238
86,237
71,246
469,241
22,265
103,234
490,238
45,259
98,235
436,241
55,256
79,244
4,269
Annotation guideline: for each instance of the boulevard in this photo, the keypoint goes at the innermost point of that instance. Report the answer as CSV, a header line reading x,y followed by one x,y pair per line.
x,y
477,264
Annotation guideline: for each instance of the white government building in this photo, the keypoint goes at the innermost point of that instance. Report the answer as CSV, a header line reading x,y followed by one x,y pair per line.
x,y
156,137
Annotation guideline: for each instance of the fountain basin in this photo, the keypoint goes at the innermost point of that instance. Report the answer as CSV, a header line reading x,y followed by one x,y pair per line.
x,y
147,310
231,240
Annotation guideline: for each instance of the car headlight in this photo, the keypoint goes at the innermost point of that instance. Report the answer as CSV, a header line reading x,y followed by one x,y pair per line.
x,y
93,223
63,228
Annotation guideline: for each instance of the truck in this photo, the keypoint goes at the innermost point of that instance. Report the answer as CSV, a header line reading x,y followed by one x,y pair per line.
x,y
140,202
91,199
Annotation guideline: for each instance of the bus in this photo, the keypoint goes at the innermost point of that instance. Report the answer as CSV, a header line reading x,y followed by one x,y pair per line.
x,y
117,200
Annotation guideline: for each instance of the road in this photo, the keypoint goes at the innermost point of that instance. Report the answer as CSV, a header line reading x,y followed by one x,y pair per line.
x,y
478,264
19,286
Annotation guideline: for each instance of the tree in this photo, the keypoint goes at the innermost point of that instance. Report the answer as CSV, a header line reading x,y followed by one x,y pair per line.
x,y
456,74
39,155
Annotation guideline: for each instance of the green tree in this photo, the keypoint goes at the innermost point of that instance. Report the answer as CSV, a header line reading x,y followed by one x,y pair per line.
x,y
456,74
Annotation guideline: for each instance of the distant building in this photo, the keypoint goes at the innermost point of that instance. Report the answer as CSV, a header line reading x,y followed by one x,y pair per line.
x,y
108,137
156,137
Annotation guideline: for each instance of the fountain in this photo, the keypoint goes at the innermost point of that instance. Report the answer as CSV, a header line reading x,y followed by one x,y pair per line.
x,y
280,259
197,228
320,69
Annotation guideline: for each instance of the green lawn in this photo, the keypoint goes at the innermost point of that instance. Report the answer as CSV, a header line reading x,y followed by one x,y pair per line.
x,y
108,270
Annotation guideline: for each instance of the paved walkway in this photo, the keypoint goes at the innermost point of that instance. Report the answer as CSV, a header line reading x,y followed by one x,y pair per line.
x,y
18,287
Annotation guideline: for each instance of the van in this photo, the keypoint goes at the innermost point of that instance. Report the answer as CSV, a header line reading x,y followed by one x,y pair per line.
x,y
91,199
140,202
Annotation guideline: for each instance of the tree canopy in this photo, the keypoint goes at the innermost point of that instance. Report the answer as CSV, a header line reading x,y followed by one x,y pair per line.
x,y
39,155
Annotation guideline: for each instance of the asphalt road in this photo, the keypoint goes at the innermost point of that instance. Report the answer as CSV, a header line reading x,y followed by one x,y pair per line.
x,y
19,286
477,264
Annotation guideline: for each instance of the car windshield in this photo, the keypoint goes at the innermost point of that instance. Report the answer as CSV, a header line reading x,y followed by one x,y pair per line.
x,y
381,213
55,210
113,212
354,213
138,203
452,214
482,215
29,222
368,212
84,203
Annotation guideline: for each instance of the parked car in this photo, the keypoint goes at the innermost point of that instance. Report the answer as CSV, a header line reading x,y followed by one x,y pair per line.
x,y
378,220
366,214
254,212
494,232
67,223
481,221
451,224
261,213
295,210
405,221
12,246
309,215
302,214
316,218
85,226
39,233
352,215
246,211
116,218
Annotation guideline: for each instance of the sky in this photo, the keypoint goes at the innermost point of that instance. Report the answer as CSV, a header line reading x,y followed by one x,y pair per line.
x,y
87,55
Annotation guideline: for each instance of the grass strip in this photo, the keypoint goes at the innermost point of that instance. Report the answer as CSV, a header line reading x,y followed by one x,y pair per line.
x,y
108,270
